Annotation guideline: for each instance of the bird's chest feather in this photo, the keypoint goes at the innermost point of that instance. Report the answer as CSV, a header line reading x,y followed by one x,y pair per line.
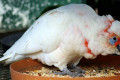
x,y
73,41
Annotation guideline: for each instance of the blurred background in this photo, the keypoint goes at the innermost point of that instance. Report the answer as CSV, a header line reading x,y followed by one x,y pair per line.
x,y
17,15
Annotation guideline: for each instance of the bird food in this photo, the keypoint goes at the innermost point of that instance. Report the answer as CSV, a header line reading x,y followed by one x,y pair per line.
x,y
90,71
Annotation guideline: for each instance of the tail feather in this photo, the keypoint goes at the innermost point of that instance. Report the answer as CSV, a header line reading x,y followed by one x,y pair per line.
x,y
5,57
9,51
11,57
8,54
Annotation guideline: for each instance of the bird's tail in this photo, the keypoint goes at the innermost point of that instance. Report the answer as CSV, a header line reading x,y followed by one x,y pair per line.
x,y
11,56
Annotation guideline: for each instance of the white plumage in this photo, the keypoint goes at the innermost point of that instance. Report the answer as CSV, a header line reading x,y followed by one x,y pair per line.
x,y
58,37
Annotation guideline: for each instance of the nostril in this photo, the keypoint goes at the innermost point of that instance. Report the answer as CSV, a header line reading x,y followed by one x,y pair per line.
x,y
118,47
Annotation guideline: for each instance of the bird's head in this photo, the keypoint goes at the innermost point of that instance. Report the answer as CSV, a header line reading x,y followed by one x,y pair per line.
x,y
112,38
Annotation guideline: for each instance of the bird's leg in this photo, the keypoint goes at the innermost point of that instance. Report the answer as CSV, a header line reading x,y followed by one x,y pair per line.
x,y
65,71
75,68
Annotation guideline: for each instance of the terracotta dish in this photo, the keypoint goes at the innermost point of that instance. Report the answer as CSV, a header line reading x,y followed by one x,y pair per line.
x,y
28,64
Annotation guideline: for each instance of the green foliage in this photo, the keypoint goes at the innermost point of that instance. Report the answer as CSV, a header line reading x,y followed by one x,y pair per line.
x,y
20,14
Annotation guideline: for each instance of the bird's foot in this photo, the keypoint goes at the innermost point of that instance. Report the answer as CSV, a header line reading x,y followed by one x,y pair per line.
x,y
67,72
76,69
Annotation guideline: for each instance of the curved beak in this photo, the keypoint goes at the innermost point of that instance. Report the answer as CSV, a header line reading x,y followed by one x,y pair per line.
x,y
118,47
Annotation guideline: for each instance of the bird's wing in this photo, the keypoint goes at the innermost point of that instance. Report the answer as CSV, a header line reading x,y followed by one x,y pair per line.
x,y
46,33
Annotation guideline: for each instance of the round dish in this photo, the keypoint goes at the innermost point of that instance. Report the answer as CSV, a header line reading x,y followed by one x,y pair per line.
x,y
18,67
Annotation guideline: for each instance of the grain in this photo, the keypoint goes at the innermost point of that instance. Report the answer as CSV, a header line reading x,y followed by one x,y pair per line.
x,y
91,71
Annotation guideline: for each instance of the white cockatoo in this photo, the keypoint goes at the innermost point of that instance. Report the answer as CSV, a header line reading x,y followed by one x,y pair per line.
x,y
64,35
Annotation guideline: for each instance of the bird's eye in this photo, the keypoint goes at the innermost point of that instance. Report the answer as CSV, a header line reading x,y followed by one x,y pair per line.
x,y
113,40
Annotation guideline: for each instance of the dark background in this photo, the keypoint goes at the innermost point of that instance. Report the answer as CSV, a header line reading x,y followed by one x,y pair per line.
x,y
106,7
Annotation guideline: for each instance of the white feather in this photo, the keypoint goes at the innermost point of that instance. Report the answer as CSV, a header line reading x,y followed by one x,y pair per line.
x,y
57,37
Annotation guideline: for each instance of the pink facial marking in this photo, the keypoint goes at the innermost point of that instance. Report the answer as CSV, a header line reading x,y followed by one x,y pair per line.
x,y
88,49
108,27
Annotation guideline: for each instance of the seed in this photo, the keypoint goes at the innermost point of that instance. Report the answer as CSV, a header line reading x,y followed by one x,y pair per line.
x,y
90,71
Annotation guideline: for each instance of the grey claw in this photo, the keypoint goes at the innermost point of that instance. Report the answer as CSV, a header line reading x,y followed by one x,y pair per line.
x,y
77,69
72,74
83,71
58,73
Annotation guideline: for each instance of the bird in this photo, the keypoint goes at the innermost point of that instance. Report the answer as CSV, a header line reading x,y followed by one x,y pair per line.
x,y
63,36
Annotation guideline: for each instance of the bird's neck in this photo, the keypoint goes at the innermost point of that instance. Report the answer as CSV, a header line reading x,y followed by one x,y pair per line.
x,y
91,54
